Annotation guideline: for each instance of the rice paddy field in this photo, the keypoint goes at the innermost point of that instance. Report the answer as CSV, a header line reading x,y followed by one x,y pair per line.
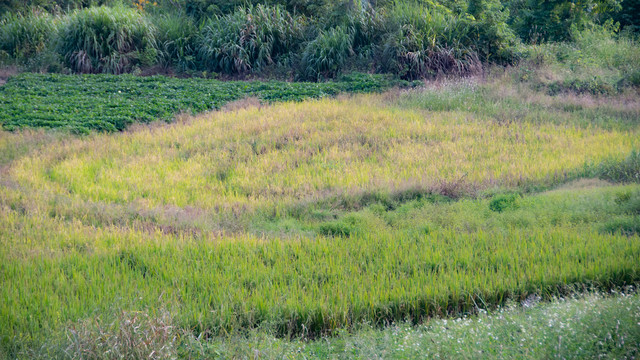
x,y
327,228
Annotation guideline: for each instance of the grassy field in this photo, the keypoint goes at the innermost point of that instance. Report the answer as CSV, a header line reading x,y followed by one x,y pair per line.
x,y
307,219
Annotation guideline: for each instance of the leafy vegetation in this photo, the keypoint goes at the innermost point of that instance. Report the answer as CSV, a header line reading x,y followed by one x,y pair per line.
x,y
27,39
111,103
286,39
248,39
327,54
107,40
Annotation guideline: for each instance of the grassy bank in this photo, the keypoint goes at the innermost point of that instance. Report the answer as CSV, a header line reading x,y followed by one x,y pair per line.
x,y
592,326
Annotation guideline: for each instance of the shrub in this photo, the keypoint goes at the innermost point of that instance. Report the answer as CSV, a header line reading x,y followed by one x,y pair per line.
x,y
557,20
627,170
110,40
325,56
248,39
502,202
598,61
25,36
629,15
494,39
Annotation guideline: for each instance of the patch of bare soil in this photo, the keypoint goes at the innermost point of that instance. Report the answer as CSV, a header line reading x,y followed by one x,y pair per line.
x,y
6,73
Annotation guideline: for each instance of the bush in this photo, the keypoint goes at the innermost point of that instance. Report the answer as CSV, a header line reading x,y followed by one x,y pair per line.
x,y
627,170
23,37
629,15
248,39
494,39
325,56
557,20
111,40
503,202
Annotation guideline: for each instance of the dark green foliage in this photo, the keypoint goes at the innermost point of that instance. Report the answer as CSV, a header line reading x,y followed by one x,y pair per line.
x,y
535,20
629,15
25,6
504,202
25,36
631,79
594,85
326,55
248,39
110,103
368,28
494,39
175,38
627,170
108,40
424,42
336,228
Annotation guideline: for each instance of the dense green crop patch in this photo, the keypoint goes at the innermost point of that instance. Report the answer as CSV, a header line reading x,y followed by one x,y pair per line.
x,y
111,103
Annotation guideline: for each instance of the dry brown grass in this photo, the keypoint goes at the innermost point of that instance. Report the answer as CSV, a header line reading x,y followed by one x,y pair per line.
x,y
130,335
6,72
245,103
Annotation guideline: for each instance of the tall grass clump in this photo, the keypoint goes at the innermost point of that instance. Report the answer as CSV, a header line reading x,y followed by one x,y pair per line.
x,y
326,54
426,42
369,27
107,39
248,39
23,38
175,37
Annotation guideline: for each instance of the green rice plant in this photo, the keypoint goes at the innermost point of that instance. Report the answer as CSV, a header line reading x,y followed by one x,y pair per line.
x,y
313,286
629,226
110,40
248,39
317,147
325,56
572,327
